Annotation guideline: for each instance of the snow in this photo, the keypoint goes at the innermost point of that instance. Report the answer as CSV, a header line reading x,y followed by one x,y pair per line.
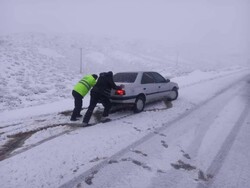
x,y
207,127
50,53
56,161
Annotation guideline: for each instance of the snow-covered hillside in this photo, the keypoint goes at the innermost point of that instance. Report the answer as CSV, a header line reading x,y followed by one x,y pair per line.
x,y
42,68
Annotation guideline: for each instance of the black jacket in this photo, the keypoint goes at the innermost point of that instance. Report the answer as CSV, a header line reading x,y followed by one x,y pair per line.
x,y
104,84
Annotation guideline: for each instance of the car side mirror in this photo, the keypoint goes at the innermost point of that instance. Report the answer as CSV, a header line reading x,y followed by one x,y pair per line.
x,y
167,80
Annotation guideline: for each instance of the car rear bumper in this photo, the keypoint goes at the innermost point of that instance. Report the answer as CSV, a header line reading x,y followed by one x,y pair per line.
x,y
123,99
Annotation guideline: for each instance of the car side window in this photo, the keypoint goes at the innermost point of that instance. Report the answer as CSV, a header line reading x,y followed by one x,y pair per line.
x,y
158,78
147,79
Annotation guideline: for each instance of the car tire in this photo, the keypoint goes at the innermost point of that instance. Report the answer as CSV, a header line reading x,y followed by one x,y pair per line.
x,y
174,94
139,104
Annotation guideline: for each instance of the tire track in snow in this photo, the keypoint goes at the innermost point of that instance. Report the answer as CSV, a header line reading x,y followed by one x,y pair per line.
x,y
219,159
82,177
6,152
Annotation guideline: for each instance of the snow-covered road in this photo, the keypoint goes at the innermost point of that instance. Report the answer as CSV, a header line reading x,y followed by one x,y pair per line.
x,y
191,142
194,150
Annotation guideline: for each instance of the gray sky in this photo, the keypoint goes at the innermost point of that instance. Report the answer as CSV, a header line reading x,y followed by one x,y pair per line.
x,y
208,26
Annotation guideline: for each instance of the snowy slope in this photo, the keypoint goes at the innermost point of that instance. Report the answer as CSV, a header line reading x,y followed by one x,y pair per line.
x,y
40,68
37,67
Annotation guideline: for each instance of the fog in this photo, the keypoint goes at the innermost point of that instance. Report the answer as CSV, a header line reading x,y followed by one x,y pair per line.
x,y
194,28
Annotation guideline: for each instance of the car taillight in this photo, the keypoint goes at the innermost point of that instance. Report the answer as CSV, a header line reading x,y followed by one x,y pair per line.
x,y
120,92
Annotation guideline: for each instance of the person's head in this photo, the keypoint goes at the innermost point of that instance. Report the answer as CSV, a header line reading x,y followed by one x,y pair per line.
x,y
110,73
95,76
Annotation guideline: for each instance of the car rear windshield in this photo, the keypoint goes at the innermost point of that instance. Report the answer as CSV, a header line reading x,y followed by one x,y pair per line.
x,y
125,77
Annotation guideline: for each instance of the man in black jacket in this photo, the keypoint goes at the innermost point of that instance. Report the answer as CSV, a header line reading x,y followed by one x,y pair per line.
x,y
100,93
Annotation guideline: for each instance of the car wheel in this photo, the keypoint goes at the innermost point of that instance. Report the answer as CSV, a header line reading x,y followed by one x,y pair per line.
x,y
139,104
174,94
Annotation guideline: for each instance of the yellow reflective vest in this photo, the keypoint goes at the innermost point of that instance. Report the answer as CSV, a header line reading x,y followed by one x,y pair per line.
x,y
84,85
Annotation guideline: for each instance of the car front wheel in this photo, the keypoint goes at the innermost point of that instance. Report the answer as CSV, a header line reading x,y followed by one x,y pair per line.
x,y
139,104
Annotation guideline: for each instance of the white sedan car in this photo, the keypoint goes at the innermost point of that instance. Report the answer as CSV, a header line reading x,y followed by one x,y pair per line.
x,y
140,88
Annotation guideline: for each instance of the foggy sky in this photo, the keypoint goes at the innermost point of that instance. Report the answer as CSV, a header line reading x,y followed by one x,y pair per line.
x,y
204,26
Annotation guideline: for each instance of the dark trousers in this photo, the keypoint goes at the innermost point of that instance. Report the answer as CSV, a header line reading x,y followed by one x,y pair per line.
x,y
78,104
97,98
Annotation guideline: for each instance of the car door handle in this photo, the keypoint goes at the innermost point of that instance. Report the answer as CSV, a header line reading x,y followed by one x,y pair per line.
x,y
144,88
159,87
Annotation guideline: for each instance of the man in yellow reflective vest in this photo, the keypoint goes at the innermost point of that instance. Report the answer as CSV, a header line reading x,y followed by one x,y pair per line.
x,y
79,91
